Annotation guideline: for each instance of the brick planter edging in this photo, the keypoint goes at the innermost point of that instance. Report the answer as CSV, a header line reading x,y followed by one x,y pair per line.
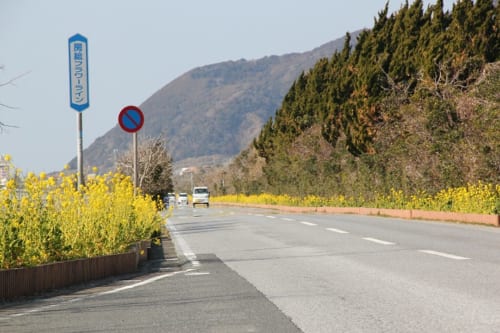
x,y
30,281
488,219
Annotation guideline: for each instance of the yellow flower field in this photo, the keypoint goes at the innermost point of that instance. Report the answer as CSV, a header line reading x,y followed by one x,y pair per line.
x,y
474,198
50,220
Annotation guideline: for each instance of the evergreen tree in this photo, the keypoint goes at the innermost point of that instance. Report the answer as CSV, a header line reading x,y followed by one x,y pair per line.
x,y
391,97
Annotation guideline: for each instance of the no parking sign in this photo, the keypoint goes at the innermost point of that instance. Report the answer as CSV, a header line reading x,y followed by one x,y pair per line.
x,y
131,119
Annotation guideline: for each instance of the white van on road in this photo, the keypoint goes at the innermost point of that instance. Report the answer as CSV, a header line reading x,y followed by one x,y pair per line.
x,y
201,195
182,199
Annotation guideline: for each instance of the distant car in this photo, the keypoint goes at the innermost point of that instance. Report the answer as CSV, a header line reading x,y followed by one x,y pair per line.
x,y
171,199
201,195
182,199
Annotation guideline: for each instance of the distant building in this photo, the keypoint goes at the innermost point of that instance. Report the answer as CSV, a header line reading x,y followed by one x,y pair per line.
x,y
4,171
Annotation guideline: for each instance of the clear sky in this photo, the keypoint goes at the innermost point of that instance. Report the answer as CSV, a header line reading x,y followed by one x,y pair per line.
x,y
135,48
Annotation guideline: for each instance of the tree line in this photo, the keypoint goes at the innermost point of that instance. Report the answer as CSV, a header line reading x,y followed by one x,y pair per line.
x,y
413,105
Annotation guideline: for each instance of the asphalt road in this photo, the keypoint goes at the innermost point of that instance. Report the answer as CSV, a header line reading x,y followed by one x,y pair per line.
x,y
349,273
251,270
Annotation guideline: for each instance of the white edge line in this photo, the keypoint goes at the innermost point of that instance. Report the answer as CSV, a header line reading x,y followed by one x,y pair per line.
x,y
184,247
145,282
445,255
337,231
197,273
270,217
378,241
47,307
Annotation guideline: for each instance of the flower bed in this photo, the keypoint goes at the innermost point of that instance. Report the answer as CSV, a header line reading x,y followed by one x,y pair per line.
x,y
50,220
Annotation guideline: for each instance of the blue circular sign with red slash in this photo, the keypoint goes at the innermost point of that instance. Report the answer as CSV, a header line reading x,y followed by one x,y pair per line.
x,y
131,119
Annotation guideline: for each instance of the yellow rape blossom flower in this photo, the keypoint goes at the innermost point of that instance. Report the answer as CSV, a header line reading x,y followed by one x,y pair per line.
x,y
105,213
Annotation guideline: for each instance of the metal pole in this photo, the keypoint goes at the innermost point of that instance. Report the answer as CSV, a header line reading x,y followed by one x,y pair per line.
x,y
134,137
80,150
191,173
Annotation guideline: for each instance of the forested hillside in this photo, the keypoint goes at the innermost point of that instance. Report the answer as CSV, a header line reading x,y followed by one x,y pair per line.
x,y
414,106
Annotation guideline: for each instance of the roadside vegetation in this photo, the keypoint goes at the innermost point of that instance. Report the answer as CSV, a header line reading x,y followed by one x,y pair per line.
x,y
479,198
50,220
408,117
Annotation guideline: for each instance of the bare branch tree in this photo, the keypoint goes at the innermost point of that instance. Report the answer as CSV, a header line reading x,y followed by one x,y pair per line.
x,y
154,166
450,76
400,89
6,106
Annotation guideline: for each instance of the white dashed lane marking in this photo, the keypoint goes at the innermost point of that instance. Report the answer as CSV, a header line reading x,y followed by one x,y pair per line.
x,y
445,255
337,231
309,224
378,241
370,239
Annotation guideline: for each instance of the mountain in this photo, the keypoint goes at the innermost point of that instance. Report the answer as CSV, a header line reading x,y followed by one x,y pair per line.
x,y
211,113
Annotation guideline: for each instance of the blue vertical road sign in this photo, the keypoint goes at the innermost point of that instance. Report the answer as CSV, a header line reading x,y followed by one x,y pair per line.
x,y
78,72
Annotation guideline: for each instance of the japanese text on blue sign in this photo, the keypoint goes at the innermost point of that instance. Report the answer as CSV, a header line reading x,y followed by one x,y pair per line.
x,y
78,72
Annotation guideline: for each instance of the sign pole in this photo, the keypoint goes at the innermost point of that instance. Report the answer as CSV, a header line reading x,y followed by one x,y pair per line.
x,y
80,150
134,139
78,91
131,120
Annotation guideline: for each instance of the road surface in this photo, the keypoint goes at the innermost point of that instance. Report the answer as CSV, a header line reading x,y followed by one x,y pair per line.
x,y
253,270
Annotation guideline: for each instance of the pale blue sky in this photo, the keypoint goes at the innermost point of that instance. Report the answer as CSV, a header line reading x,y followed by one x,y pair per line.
x,y
135,48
